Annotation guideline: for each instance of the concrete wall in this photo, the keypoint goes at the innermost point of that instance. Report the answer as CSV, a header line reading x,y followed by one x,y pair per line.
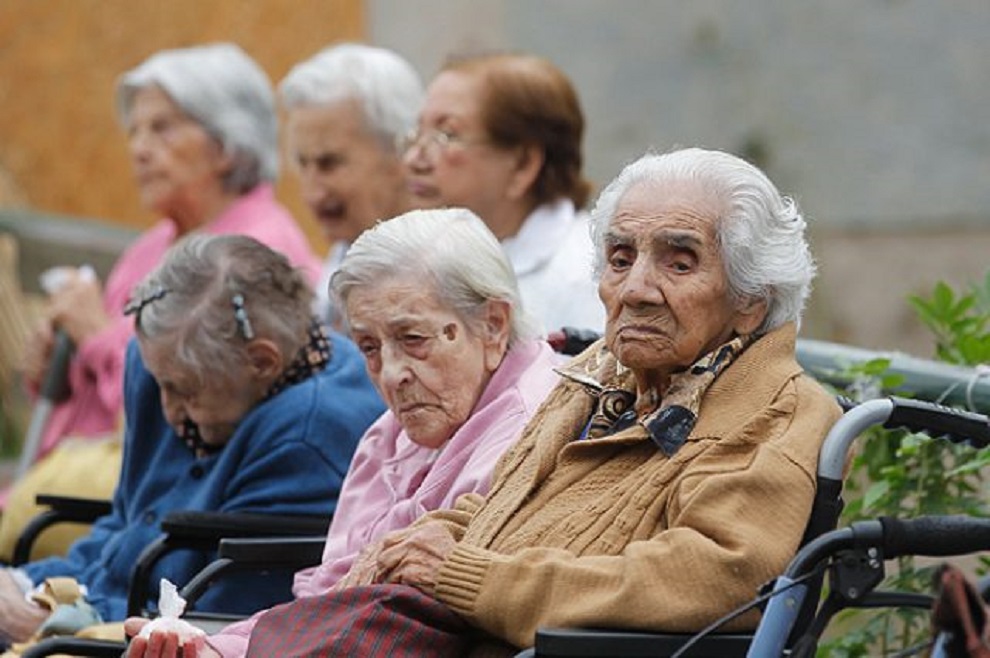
x,y
872,113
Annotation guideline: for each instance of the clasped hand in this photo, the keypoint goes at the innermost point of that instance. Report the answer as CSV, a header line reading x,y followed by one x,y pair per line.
x,y
412,556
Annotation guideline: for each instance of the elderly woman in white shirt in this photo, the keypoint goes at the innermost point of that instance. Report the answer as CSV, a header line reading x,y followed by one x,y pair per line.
x,y
501,135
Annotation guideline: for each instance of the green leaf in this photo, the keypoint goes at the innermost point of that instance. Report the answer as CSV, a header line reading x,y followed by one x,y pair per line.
x,y
875,493
942,300
874,367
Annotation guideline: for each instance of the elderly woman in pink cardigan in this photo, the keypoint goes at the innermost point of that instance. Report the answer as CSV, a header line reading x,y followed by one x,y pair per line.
x,y
202,136
432,303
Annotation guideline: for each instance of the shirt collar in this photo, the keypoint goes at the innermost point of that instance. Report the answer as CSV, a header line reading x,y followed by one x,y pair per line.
x,y
540,236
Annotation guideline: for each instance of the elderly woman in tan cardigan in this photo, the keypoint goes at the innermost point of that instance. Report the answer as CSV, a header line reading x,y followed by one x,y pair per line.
x,y
671,472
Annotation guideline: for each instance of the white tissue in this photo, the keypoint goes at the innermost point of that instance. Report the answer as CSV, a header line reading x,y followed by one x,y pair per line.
x,y
54,278
171,606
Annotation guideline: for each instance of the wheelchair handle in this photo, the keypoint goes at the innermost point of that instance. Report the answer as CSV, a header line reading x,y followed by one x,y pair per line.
x,y
935,536
931,536
915,415
957,425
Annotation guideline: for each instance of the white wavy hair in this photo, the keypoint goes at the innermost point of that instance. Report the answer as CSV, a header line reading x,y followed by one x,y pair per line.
x,y
386,86
760,233
227,93
450,248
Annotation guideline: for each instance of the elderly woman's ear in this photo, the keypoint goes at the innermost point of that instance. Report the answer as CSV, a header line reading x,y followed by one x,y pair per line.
x,y
750,315
224,161
497,327
529,163
265,361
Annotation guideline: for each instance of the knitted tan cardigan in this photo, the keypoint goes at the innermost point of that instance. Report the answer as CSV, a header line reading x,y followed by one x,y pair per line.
x,y
610,532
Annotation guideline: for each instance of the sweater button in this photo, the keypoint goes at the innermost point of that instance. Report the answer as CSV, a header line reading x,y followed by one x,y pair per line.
x,y
196,472
150,518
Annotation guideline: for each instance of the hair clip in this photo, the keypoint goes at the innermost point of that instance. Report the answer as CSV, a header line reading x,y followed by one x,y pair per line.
x,y
240,314
135,306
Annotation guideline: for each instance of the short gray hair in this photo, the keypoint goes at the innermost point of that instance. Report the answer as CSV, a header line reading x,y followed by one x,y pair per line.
x,y
227,93
385,85
450,248
190,298
760,233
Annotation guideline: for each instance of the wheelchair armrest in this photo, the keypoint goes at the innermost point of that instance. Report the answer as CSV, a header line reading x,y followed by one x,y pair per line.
x,y
203,531
82,509
75,646
274,552
589,642
255,554
192,529
61,509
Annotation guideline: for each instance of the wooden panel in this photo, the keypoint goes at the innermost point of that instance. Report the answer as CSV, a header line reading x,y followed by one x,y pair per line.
x,y
61,149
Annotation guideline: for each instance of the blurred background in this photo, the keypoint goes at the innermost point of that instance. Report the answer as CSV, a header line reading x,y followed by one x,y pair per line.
x,y
873,114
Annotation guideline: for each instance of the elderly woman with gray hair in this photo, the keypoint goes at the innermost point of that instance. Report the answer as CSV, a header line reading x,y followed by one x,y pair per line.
x,y
347,110
237,400
201,127
433,304
667,475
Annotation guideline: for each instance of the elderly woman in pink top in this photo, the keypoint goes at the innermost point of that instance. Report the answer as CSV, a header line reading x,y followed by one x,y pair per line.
x,y
202,133
432,303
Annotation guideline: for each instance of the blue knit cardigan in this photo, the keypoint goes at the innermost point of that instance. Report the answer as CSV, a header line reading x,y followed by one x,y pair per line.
x,y
288,456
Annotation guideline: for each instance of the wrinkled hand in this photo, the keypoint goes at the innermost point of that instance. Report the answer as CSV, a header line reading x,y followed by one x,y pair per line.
x,y
364,570
163,645
38,352
19,619
413,556
77,307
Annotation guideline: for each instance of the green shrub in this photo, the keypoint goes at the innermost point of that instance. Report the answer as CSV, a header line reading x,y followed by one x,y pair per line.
x,y
897,473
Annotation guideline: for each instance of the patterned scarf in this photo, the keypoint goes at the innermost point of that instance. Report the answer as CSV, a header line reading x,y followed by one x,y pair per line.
x,y
311,359
668,421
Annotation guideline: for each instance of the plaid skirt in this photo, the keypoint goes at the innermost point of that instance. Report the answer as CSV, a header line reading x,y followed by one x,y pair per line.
x,y
379,620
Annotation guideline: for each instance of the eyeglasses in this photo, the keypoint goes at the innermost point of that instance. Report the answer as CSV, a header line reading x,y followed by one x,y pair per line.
x,y
435,140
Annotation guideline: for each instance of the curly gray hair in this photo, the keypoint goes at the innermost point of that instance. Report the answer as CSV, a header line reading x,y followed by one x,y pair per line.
x,y
212,294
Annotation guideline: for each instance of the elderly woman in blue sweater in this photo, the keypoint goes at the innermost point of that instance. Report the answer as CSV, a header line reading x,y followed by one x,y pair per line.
x,y
236,400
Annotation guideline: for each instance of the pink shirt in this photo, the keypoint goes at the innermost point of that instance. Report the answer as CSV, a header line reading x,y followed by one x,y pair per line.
x,y
393,481
96,372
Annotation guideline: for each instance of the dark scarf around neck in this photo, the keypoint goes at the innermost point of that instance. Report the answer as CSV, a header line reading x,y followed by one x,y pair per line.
x,y
669,420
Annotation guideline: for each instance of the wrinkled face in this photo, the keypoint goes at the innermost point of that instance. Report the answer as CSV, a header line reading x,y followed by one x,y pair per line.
x,y
427,366
452,163
176,162
216,406
664,286
348,179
